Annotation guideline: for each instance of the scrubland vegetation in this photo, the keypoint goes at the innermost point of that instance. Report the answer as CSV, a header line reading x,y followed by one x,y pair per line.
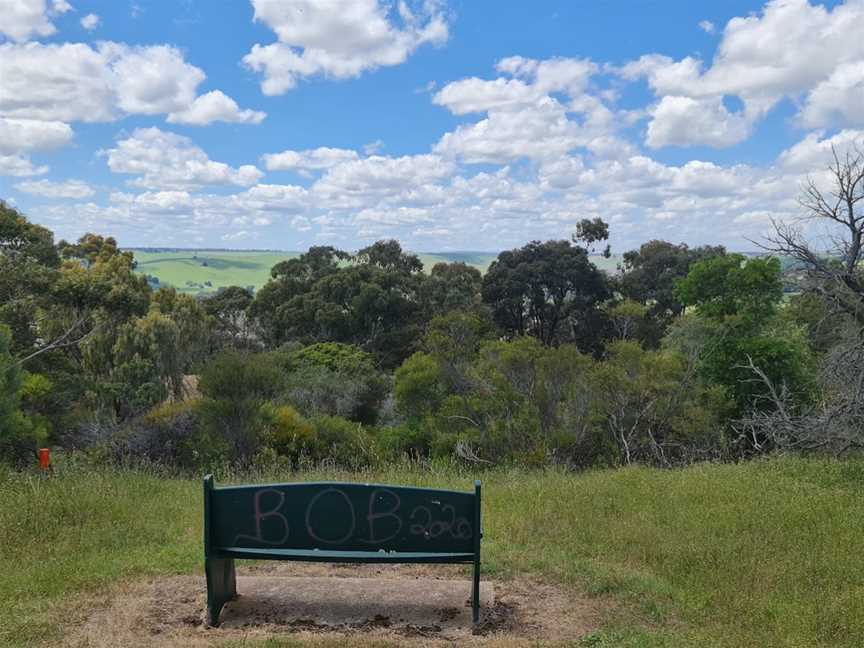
x,y
679,372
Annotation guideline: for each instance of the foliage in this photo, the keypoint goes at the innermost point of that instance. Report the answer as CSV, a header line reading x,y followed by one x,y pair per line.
x,y
741,298
731,285
547,290
234,387
167,435
650,273
15,429
419,386
330,378
229,309
372,303
651,407
451,287
289,434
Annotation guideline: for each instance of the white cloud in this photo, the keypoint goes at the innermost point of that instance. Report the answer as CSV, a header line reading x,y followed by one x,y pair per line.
x,y
379,174
19,166
271,197
707,26
315,159
164,160
24,135
156,202
791,50
682,121
528,115
23,19
339,38
77,82
813,153
21,136
215,106
151,80
90,22
48,189
478,95
241,235
542,131
837,100
426,201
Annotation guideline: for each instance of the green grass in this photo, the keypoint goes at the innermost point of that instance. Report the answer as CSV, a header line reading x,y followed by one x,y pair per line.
x,y
186,271
759,554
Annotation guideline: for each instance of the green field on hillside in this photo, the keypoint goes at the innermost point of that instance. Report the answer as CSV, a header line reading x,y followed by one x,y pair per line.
x,y
194,271
749,555
205,271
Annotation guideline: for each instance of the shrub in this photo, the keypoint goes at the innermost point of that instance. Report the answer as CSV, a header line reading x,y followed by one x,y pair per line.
x,y
334,379
170,434
18,437
345,442
288,433
235,386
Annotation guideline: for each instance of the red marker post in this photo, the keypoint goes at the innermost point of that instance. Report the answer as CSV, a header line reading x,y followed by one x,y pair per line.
x,y
44,458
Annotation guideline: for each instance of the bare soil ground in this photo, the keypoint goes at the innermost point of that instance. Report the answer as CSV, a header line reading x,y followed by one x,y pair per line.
x,y
411,605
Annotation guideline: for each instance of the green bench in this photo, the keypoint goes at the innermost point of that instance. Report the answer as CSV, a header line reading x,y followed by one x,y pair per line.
x,y
335,522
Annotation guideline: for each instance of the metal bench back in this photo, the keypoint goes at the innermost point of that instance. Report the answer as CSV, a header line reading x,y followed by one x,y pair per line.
x,y
337,516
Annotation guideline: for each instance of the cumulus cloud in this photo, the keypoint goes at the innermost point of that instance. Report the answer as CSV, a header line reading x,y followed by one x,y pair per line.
x,y
707,26
25,135
212,107
683,121
19,137
90,22
527,115
380,174
815,151
78,82
313,159
426,200
24,19
165,160
837,100
68,189
791,50
339,39
19,166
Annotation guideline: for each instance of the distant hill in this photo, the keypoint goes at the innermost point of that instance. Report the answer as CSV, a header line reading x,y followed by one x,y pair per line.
x,y
197,271
204,271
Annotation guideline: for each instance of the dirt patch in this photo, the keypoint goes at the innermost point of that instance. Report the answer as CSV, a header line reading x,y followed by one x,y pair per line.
x,y
402,605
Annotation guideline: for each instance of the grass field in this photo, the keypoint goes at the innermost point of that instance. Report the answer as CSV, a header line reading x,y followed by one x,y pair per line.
x,y
205,271
186,271
758,554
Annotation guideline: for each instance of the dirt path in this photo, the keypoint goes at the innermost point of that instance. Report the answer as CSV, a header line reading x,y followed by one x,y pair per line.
x,y
402,605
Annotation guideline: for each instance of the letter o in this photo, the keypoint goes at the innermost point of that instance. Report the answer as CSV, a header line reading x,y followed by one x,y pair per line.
x,y
312,503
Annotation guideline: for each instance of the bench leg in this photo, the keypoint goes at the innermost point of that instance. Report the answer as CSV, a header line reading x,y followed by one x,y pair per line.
x,y
221,586
475,594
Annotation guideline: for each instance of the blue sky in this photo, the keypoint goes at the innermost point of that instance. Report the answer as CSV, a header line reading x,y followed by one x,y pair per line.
x,y
461,125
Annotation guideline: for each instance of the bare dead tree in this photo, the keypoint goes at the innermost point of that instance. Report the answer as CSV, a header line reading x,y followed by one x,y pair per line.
x,y
834,425
835,273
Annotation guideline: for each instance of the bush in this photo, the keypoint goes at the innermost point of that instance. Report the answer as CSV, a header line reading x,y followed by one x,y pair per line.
x,y
169,434
288,433
347,443
235,386
18,436
334,379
